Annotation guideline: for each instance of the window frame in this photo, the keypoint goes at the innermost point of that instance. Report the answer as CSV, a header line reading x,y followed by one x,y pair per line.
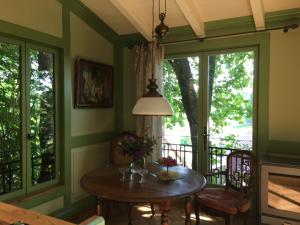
x,y
26,180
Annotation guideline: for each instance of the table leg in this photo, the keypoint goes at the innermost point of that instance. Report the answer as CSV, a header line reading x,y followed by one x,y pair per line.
x,y
129,212
152,210
165,208
196,210
188,210
99,206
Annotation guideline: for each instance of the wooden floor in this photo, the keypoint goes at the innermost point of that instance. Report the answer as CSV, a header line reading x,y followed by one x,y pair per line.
x,y
142,213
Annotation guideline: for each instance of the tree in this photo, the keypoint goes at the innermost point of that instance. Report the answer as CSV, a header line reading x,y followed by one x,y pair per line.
x,y
10,118
229,75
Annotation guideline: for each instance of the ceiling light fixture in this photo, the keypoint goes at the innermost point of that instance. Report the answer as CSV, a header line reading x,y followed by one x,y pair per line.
x,y
153,103
162,29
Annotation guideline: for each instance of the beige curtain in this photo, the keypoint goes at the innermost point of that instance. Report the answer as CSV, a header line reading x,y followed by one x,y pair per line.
x,y
149,125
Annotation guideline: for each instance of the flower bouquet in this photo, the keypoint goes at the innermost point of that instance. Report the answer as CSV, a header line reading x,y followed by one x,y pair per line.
x,y
138,148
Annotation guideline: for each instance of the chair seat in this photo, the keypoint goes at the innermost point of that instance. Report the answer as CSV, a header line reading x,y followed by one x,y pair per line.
x,y
227,201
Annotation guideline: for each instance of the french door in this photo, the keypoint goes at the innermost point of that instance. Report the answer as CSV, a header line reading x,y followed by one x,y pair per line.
x,y
227,111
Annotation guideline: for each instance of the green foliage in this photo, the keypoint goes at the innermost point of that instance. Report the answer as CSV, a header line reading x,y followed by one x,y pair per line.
x,y
172,93
184,140
231,78
231,74
42,114
10,117
41,110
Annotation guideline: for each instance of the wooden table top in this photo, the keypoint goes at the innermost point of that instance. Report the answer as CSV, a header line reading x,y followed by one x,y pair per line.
x,y
105,183
10,214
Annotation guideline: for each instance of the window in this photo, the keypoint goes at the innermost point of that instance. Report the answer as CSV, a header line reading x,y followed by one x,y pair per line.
x,y
28,117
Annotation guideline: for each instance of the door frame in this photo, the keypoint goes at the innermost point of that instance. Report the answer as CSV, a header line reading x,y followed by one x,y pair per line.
x,y
203,162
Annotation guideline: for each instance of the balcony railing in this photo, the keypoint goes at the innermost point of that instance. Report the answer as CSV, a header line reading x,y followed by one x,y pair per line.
x,y
217,157
11,172
181,152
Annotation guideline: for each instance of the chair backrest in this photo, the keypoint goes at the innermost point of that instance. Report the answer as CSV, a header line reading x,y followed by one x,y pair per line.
x,y
116,157
240,170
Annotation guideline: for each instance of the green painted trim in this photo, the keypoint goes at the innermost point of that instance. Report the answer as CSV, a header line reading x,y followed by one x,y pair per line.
x,y
67,91
131,39
118,88
41,198
288,149
263,95
55,52
75,208
90,139
221,27
282,15
91,19
13,30
259,41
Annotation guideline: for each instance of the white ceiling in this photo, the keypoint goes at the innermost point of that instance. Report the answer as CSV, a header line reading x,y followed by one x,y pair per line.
x,y
132,16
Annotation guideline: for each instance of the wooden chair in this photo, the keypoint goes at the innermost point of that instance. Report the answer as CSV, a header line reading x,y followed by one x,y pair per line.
x,y
234,198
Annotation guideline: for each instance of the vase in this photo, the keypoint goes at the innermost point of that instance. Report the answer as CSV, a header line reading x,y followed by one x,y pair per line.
x,y
137,165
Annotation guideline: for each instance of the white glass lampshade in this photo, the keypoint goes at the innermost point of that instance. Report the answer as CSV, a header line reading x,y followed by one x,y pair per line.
x,y
152,106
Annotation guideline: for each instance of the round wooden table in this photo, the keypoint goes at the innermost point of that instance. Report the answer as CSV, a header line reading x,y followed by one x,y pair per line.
x,y
104,183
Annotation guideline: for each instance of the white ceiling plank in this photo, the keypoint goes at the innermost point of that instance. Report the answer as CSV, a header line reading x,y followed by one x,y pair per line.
x,y
137,18
258,14
192,14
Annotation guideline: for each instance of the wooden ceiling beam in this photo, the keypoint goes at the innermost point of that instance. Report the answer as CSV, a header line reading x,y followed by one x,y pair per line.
x,y
139,20
258,14
191,12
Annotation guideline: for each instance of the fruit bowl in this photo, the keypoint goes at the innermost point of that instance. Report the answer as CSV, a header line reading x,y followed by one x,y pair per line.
x,y
169,161
165,175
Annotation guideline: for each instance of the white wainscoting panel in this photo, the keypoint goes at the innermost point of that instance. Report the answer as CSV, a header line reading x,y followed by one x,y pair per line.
x,y
85,159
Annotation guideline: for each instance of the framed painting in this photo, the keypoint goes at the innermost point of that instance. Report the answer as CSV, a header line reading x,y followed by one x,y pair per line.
x,y
93,84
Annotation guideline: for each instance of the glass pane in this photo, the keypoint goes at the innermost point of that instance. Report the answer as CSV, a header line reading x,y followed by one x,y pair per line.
x,y
10,119
230,107
181,86
42,116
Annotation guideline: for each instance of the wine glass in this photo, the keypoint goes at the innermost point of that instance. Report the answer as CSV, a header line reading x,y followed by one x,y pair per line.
x,y
123,171
142,172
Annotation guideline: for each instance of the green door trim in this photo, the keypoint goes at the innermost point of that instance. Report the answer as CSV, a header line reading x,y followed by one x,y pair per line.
x,y
259,41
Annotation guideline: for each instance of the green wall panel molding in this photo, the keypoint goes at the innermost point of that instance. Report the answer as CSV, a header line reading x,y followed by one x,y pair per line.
x,y
90,139
77,207
287,149
129,40
40,197
16,31
91,19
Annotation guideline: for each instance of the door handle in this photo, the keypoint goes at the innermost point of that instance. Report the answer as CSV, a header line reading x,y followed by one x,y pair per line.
x,y
205,135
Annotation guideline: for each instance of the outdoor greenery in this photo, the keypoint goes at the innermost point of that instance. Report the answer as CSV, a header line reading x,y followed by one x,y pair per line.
x,y
42,116
230,80
10,118
14,113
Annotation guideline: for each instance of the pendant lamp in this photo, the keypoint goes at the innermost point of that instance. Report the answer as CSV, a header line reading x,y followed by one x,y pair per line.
x,y
153,103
